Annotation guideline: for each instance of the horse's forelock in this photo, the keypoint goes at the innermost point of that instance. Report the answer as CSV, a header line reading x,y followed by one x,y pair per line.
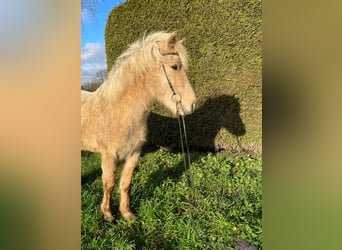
x,y
183,55
154,39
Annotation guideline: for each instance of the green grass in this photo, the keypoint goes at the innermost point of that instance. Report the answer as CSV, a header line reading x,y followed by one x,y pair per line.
x,y
226,206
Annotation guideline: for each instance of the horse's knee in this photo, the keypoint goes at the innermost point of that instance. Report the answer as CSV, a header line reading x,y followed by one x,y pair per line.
x,y
108,182
125,183
127,172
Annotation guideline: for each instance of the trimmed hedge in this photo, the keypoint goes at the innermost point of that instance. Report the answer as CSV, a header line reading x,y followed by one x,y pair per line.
x,y
223,39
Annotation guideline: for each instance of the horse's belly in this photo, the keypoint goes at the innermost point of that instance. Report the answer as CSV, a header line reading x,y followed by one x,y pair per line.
x,y
89,144
133,141
126,149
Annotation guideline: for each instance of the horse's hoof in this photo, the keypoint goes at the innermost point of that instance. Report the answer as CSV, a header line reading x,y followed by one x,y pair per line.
x,y
108,217
106,214
128,216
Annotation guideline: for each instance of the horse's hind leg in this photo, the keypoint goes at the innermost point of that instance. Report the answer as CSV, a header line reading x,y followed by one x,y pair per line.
x,y
108,173
125,182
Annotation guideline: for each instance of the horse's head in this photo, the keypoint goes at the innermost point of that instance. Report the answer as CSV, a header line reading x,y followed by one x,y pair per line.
x,y
171,86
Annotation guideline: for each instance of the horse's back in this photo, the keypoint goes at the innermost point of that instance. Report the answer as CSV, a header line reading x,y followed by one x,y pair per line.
x,y
87,142
86,103
85,94
87,99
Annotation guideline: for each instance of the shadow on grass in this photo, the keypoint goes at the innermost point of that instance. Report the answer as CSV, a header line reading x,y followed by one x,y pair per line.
x,y
173,173
202,126
90,176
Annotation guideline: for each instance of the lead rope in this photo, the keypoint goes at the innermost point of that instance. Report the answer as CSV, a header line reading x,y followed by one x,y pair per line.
x,y
187,168
187,161
187,164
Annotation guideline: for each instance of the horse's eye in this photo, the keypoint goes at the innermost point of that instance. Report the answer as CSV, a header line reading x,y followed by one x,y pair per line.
x,y
174,67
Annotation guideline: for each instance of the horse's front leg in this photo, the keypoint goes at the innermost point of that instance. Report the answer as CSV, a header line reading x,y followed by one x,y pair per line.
x,y
125,183
108,165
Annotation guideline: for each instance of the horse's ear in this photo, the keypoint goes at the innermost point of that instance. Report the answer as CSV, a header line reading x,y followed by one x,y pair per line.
x,y
182,41
172,39
168,44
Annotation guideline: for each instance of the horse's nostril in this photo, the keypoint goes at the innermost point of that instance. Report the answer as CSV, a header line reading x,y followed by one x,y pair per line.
x,y
193,106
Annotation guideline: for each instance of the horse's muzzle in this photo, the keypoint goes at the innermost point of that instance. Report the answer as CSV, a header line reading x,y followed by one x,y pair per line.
x,y
190,110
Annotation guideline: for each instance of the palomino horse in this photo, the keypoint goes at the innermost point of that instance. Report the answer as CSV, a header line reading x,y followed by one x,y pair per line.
x,y
114,117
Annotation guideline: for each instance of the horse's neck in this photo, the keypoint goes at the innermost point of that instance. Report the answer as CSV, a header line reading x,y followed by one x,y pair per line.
x,y
134,102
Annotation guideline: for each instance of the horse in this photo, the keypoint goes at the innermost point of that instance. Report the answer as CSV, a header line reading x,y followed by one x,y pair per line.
x,y
114,117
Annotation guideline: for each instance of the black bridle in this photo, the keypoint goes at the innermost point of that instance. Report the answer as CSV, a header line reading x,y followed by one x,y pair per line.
x,y
177,98
167,78
168,81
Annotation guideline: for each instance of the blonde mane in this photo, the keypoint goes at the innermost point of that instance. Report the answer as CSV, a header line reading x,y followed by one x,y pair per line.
x,y
137,60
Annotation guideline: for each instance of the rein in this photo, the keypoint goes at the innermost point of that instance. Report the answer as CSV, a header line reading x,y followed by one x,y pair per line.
x,y
188,170
185,147
183,137
177,98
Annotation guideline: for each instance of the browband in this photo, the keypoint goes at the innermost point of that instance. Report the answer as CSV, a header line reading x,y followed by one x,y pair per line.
x,y
170,53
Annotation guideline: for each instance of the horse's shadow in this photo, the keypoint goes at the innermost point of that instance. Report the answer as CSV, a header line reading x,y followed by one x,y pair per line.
x,y
202,126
